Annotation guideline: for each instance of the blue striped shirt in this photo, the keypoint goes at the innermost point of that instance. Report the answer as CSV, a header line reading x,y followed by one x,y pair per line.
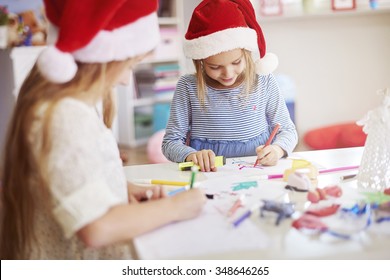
x,y
230,125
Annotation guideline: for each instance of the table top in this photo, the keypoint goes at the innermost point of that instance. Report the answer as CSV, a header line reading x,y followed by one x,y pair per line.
x,y
212,236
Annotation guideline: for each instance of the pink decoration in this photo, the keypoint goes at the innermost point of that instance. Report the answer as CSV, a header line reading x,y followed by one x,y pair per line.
x,y
325,211
309,222
153,148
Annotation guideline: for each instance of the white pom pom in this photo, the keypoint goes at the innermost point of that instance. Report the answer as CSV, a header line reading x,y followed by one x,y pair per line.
x,y
56,66
267,64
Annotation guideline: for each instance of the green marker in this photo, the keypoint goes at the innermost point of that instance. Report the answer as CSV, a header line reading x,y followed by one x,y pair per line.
x,y
194,170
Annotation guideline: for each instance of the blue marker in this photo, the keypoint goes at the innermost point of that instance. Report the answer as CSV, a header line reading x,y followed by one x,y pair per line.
x,y
171,193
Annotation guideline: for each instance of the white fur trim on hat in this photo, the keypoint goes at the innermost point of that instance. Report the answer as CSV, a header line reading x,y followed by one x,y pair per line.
x,y
56,66
222,41
130,40
267,64
227,40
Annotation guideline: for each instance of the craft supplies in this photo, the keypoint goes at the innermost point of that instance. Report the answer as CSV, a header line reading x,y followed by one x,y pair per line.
x,y
271,137
237,204
282,209
194,171
185,166
160,182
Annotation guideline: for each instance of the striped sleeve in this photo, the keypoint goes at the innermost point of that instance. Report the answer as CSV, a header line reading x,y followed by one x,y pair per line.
x,y
277,112
173,146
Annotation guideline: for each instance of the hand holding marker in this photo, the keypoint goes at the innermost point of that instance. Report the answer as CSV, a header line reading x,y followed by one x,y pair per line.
x,y
271,137
194,171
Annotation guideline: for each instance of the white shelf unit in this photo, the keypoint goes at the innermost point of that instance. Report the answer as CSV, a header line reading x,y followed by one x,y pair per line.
x,y
293,13
130,99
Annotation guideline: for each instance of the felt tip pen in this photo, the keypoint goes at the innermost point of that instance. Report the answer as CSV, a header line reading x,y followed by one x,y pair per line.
x,y
160,182
268,177
246,215
174,192
171,193
342,168
347,177
271,137
194,170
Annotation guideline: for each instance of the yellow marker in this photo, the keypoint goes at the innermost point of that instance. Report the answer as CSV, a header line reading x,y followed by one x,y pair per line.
x,y
219,161
160,182
300,163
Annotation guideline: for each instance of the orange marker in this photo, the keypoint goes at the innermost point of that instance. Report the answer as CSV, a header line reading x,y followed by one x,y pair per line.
x,y
271,137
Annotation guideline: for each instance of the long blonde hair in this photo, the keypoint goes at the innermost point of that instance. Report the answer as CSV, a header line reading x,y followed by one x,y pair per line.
x,y
249,77
20,167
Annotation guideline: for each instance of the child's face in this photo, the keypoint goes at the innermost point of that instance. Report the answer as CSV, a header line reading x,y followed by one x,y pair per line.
x,y
225,67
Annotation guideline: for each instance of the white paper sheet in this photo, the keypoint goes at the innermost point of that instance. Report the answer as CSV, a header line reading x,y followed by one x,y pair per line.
x,y
245,166
212,232
207,234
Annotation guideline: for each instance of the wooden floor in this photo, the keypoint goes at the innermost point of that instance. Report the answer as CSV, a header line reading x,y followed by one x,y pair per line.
x,y
135,156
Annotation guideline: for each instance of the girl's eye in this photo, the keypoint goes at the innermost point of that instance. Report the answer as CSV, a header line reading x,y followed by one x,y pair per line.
x,y
237,62
214,67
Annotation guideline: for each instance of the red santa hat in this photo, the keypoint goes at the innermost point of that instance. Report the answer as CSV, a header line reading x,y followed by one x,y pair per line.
x,y
218,26
96,31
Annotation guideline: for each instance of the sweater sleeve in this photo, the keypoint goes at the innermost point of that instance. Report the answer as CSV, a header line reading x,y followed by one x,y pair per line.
x,y
179,124
80,190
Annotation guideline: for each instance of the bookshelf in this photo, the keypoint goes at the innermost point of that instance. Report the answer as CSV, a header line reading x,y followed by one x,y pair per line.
x,y
143,106
297,12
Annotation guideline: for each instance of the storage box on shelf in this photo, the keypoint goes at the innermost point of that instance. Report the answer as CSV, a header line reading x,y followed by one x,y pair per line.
x,y
143,106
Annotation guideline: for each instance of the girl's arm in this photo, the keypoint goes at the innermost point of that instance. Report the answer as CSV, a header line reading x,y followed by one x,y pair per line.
x,y
174,145
126,221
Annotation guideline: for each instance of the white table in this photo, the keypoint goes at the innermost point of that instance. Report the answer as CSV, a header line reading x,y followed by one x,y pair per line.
x,y
271,242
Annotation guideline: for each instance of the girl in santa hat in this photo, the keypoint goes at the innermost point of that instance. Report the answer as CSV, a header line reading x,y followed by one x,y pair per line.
x,y
64,191
231,105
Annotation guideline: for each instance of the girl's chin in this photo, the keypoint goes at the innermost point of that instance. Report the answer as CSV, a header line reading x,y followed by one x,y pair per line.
x,y
228,82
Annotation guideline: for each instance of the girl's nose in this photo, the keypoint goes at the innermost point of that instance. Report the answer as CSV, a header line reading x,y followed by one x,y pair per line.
x,y
227,71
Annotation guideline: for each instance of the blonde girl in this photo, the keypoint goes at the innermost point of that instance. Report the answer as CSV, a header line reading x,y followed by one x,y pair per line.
x,y
230,106
64,193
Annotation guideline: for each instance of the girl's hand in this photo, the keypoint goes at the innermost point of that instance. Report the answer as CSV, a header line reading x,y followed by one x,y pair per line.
x,y
205,159
188,204
140,193
269,155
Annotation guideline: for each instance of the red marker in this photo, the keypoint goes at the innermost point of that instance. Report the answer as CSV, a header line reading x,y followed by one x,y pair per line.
x,y
271,137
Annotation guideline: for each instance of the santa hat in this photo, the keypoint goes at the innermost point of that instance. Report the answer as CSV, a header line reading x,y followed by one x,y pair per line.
x,y
218,26
96,31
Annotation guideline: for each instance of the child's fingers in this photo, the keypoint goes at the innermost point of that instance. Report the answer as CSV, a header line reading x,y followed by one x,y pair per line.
x,y
132,198
158,192
208,160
